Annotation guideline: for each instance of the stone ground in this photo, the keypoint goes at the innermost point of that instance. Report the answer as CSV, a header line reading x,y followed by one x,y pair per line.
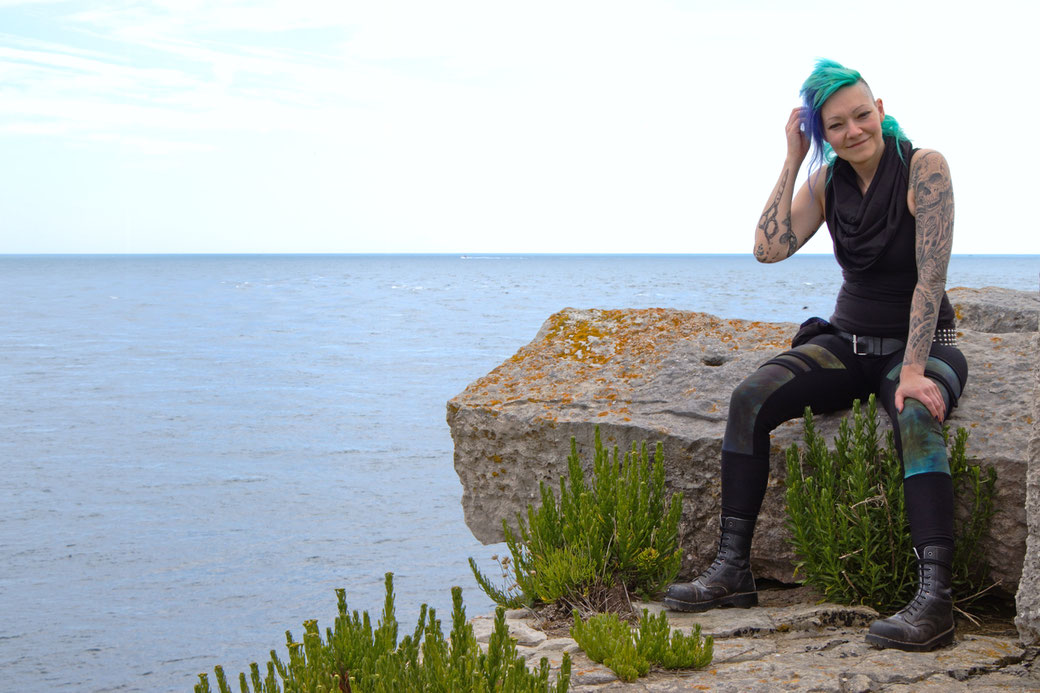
x,y
790,644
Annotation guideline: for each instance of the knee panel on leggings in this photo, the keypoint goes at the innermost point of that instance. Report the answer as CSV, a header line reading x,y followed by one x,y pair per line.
x,y
920,434
746,402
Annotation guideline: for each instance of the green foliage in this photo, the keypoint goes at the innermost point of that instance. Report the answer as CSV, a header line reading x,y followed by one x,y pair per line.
x,y
977,489
672,649
355,657
607,639
848,519
614,530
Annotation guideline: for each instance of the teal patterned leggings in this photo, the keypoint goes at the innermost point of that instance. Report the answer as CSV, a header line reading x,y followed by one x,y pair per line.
x,y
825,375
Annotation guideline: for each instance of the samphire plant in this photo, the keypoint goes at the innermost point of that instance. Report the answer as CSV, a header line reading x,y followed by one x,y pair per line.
x,y
629,654
848,519
355,658
617,530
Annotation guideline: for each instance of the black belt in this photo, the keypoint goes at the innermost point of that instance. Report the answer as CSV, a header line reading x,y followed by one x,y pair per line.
x,y
865,345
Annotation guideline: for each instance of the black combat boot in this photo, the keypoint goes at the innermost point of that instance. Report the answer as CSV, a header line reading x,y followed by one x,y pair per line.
x,y
727,581
927,621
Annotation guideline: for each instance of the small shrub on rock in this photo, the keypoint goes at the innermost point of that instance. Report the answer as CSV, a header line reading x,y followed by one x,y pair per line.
x,y
672,649
848,519
356,658
607,639
616,530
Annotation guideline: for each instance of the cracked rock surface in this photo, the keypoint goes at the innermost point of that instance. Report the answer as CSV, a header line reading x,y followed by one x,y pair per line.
x,y
666,376
806,647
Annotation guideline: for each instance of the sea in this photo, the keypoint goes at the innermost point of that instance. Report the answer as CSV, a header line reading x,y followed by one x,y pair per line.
x,y
197,450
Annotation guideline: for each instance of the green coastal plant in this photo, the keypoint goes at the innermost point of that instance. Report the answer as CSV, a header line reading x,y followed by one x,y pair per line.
x,y
607,639
847,516
977,489
673,649
356,658
616,530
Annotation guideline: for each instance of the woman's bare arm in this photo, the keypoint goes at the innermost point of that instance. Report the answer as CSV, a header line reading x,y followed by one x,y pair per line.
x,y
931,201
789,220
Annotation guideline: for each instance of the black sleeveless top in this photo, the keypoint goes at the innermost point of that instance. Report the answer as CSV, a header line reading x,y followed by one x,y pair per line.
x,y
874,242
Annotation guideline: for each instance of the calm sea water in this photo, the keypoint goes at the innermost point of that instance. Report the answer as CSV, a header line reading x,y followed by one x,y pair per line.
x,y
197,450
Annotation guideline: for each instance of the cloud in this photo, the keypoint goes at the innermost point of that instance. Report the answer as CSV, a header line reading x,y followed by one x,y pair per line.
x,y
145,68
577,121
211,67
149,145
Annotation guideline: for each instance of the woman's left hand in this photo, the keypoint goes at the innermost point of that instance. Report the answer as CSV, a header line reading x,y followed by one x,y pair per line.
x,y
916,385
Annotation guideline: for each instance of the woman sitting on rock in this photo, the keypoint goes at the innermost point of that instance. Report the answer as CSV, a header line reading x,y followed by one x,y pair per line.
x,y
889,210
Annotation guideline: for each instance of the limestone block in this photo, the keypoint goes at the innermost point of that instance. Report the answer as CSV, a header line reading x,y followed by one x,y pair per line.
x,y
666,375
1028,598
993,309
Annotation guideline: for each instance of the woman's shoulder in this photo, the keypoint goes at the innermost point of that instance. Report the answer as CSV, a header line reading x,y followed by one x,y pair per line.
x,y
820,180
926,158
820,175
928,171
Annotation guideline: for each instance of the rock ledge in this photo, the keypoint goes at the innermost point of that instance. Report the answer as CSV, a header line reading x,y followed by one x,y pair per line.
x,y
666,375
795,648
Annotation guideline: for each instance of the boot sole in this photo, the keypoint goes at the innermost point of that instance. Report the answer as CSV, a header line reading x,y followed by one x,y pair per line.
x,y
944,638
742,600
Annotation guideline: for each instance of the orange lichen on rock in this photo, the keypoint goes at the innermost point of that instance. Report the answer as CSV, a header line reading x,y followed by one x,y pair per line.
x,y
617,349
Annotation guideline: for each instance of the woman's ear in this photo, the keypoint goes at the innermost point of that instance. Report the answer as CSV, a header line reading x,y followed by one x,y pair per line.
x,y
880,109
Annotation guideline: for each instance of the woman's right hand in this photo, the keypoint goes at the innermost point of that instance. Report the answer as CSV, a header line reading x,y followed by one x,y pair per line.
x,y
797,139
789,220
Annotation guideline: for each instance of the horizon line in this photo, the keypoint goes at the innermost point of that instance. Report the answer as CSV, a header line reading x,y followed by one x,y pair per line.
x,y
460,255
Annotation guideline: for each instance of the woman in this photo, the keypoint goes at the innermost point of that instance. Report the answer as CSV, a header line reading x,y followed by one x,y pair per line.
x,y
889,209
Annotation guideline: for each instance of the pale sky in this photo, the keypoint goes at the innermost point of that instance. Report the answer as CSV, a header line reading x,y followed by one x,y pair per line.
x,y
478,127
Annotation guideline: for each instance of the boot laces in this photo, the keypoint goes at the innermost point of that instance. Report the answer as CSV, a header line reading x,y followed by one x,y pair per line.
x,y
720,558
915,604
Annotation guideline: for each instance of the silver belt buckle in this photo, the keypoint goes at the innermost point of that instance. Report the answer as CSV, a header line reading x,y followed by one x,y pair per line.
x,y
855,346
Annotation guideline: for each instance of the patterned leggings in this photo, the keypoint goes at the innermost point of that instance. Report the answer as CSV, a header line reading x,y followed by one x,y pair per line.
x,y
825,375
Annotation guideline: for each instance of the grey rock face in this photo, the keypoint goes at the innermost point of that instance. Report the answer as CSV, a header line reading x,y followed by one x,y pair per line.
x,y
997,310
664,375
1028,598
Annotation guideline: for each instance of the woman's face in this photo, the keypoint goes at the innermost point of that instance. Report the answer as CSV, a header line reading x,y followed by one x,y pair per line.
x,y
852,124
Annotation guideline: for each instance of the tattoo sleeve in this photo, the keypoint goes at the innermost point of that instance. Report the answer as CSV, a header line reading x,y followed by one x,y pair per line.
x,y
767,222
933,194
788,237
787,243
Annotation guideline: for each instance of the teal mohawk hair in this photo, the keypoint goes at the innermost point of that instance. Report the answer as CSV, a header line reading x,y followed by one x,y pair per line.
x,y
826,78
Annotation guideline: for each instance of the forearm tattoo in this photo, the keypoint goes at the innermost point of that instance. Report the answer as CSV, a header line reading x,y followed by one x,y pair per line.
x,y
788,237
768,224
933,194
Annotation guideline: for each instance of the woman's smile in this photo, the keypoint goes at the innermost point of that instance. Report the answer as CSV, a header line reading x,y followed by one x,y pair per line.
x,y
852,123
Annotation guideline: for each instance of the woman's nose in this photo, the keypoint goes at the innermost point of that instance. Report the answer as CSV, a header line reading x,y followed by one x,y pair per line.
x,y
854,129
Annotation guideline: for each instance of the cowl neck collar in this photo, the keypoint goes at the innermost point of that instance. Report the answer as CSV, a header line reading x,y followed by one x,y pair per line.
x,y
864,224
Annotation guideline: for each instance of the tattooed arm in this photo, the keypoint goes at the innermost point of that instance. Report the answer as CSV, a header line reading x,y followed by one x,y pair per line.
x,y
789,220
930,198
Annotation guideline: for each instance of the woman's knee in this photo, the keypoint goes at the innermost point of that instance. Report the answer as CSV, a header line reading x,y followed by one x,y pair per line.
x,y
747,397
923,447
745,406
947,366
